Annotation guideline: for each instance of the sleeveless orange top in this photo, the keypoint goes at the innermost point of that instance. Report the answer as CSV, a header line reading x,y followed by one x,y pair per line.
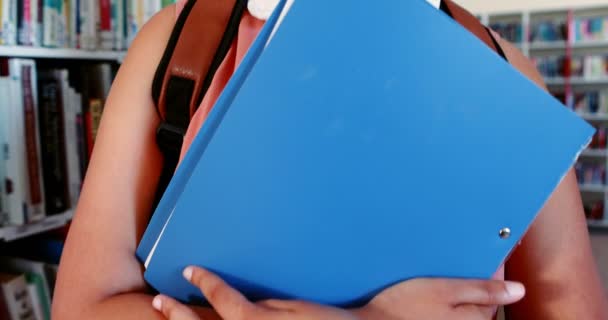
x,y
248,30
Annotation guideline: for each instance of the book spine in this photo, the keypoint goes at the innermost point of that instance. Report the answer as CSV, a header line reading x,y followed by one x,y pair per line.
x,y
78,24
131,20
105,24
119,31
74,24
62,32
96,111
85,34
51,127
88,120
95,24
18,299
47,23
76,177
2,24
15,151
34,23
4,207
70,140
80,136
22,21
151,8
9,22
36,198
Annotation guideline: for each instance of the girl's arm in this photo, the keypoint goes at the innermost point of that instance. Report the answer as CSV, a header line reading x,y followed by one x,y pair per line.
x,y
99,276
555,261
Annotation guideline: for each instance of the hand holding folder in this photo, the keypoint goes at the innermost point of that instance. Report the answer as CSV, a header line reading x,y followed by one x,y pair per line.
x,y
390,150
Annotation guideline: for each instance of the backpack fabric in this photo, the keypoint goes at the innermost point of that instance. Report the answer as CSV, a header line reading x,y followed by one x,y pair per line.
x,y
203,34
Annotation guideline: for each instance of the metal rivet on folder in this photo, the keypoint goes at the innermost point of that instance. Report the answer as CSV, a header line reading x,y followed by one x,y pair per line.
x,y
504,233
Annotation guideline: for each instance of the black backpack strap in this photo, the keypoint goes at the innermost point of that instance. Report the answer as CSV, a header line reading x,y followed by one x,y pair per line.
x,y
472,24
201,38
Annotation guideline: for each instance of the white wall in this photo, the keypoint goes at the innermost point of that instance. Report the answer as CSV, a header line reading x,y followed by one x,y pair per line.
x,y
491,6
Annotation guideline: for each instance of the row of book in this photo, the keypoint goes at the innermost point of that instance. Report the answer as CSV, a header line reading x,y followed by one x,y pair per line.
x,y
588,67
26,289
83,24
600,138
49,119
594,210
590,29
590,102
591,173
548,31
511,31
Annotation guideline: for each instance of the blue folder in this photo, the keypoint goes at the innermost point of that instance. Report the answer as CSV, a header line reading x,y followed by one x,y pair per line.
x,y
368,144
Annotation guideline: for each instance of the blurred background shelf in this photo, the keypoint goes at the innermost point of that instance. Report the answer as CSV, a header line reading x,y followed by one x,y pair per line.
x,y
11,233
57,53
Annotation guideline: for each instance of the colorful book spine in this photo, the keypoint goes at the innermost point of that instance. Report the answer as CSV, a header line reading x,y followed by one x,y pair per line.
x,y
36,206
24,22
105,24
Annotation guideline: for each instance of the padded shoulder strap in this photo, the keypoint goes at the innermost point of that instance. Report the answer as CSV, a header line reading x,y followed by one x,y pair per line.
x,y
198,44
471,23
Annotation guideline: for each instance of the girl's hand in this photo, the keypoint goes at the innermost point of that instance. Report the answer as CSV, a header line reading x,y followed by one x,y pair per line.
x,y
410,300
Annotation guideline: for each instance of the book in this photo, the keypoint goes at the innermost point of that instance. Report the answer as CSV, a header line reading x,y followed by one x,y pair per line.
x,y
53,149
312,176
4,204
35,200
35,275
16,297
15,152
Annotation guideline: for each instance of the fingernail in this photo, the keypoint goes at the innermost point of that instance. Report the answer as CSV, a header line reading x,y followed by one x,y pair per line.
x,y
515,289
188,273
157,303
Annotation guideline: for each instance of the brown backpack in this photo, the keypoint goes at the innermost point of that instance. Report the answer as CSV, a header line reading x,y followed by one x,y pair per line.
x,y
200,40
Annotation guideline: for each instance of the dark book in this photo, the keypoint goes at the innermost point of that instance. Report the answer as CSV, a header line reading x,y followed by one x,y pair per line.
x,y
33,166
53,147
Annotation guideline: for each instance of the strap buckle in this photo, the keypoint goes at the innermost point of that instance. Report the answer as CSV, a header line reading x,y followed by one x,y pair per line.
x,y
170,137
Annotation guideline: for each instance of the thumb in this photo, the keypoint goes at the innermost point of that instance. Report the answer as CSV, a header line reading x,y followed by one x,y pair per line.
x,y
489,293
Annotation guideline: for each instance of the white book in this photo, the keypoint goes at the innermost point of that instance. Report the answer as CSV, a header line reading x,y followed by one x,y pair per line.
x,y
25,115
9,22
4,105
71,143
39,208
119,26
73,36
36,304
35,27
36,273
151,7
16,162
16,295
75,165
48,23
132,20
85,35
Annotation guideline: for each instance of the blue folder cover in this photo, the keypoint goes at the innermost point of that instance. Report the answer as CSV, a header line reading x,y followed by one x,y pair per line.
x,y
348,156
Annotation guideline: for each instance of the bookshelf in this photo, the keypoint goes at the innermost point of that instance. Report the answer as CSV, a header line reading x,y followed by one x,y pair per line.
x,y
12,233
569,47
63,54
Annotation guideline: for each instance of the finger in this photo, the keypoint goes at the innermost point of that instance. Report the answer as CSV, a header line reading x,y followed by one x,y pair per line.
x,y
173,310
471,311
489,293
285,305
229,303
